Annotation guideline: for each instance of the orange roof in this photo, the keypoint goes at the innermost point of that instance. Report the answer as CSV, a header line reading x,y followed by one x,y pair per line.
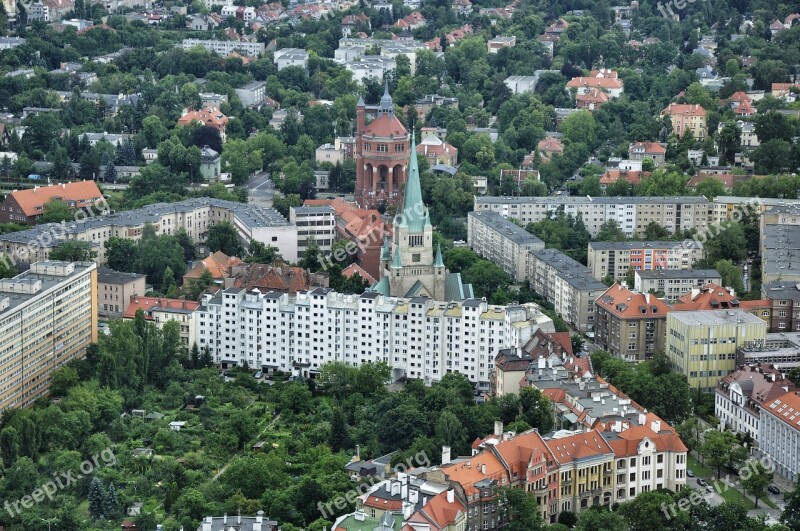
x,y
353,269
684,110
728,180
665,441
467,473
593,96
83,194
550,144
709,297
236,55
632,176
595,82
739,96
147,304
270,277
578,446
648,147
218,264
438,512
209,116
786,408
383,503
627,304
386,125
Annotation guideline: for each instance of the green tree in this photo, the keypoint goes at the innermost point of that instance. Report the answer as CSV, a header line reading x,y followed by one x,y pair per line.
x,y
716,448
755,478
791,511
727,244
258,253
73,251
96,496
224,237
521,510
610,231
9,446
451,432
55,211
600,520
580,127
537,410
111,503
283,203
121,254
653,232
731,275
710,187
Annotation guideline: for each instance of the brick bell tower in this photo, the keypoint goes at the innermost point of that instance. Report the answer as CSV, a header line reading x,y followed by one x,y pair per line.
x,y
382,155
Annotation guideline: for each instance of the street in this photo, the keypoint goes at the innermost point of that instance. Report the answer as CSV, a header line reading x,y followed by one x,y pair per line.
x,y
260,189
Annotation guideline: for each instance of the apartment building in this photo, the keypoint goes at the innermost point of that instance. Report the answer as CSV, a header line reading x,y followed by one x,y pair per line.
x,y
567,284
115,289
630,325
502,241
715,297
252,94
615,259
702,345
417,337
26,206
687,118
224,48
161,310
780,252
291,57
779,434
670,284
780,350
632,214
194,216
654,151
740,396
784,298
317,223
47,318
586,471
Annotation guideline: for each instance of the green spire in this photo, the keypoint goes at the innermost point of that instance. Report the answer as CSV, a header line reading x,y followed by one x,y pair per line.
x,y
396,260
386,253
438,261
414,211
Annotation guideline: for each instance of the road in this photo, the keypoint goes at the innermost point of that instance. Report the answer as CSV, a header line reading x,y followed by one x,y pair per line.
x,y
260,189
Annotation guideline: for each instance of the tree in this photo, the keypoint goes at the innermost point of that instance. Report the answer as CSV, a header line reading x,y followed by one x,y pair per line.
x,y
728,244
653,232
110,175
73,251
96,497
451,432
9,446
537,410
772,156
55,211
168,285
710,187
224,237
791,510
121,254
755,478
717,448
610,231
111,503
258,253
600,520
521,509
731,275
283,203
580,127
577,343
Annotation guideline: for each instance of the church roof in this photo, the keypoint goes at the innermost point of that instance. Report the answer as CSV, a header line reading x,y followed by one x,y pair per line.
x,y
386,253
382,287
414,214
455,289
438,261
396,259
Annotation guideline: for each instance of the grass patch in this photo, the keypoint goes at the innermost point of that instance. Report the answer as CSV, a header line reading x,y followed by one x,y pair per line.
x,y
731,494
699,469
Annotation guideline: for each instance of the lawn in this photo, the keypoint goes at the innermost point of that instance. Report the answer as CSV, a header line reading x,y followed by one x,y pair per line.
x,y
730,494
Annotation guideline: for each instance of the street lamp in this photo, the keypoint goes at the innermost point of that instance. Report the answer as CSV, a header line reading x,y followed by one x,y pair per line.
x,y
49,521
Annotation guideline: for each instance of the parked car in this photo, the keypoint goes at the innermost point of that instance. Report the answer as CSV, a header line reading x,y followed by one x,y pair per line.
x,y
257,375
689,473
709,488
701,482
773,490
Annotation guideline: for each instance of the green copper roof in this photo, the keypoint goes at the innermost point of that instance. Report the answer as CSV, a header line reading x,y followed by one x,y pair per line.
x,y
438,262
386,253
414,211
382,287
396,259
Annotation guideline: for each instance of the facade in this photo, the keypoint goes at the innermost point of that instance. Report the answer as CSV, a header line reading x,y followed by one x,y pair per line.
x,y
210,164
328,153
115,290
740,396
521,84
780,350
382,155
437,151
249,523
702,344
224,48
417,337
38,11
779,434
687,118
374,67
566,284
314,222
47,317
161,310
633,214
615,259
780,252
497,43
502,241
598,80
673,283
629,325
291,57
252,94
648,150
784,298
25,206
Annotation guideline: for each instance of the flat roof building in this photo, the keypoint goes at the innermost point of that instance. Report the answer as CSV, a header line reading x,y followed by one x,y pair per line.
x,y
502,241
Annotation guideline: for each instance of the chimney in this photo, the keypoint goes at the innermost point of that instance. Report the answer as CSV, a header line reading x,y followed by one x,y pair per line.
x,y
224,518
445,455
358,452
498,427
483,468
451,496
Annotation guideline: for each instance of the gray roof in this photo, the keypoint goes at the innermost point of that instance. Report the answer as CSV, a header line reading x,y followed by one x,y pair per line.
x,y
17,291
717,317
109,276
237,523
570,270
502,200
321,209
507,228
663,244
781,290
677,273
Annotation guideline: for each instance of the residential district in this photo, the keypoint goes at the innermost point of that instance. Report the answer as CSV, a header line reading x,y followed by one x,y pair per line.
x,y
418,265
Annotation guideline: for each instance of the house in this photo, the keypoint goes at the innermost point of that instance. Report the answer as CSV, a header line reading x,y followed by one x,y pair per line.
x,y
686,117
612,175
328,153
218,264
557,28
462,8
150,155
495,44
210,164
437,151
252,94
603,80
548,147
351,22
161,310
785,91
25,206
591,100
176,425
291,57
648,150
115,289
209,117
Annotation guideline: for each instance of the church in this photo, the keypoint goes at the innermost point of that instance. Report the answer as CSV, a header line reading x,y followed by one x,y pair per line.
x,y
409,267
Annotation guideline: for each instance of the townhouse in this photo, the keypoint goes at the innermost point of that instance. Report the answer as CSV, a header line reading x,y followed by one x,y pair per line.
x,y
784,300
161,310
779,434
685,118
115,289
502,241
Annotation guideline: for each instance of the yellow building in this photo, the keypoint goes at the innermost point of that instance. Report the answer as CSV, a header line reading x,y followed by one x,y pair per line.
x,y
702,344
48,315
586,468
687,118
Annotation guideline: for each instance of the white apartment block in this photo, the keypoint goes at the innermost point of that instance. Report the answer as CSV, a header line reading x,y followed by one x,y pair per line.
x,y
672,283
48,315
617,258
632,214
290,57
418,337
223,48
314,222
502,241
373,67
779,434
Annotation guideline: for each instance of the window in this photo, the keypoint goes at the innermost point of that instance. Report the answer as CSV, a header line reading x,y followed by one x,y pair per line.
x,y
415,258
382,148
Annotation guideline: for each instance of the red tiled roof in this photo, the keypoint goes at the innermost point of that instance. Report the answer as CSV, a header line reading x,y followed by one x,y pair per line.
x,y
386,125
648,147
578,446
270,277
595,82
632,176
218,264
684,110
157,303
210,117
551,145
786,408
83,193
354,269
438,512
627,304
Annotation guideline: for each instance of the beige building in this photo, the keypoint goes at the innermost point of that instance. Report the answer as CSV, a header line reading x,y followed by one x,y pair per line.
x,y
502,241
632,214
47,318
161,310
115,290
672,283
702,344
687,118
630,325
617,258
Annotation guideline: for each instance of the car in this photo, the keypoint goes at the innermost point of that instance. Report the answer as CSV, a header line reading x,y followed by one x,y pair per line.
x,y
585,347
689,473
701,482
773,490
709,488
257,375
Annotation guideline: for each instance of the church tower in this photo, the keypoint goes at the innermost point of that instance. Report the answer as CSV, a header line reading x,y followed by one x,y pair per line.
x,y
382,152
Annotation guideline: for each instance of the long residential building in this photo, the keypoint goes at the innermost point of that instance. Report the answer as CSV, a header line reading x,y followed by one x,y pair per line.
x,y
194,216
417,337
502,241
632,214
567,284
223,48
672,283
779,434
615,259
48,315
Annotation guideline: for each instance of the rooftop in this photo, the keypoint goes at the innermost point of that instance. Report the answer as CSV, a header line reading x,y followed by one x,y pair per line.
x,y
508,229
716,317
650,274
636,200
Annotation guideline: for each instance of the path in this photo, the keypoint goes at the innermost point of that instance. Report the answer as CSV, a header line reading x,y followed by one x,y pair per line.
x,y
268,426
